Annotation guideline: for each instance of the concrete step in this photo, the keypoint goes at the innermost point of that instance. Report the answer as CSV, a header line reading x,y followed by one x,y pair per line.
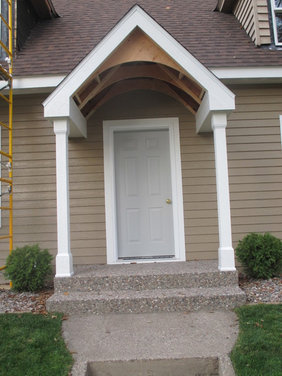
x,y
140,277
145,301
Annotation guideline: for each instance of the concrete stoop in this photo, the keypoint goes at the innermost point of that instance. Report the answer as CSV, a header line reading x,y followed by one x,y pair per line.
x,y
146,288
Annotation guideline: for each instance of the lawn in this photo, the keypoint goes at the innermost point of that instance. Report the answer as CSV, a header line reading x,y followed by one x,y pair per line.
x,y
258,351
32,345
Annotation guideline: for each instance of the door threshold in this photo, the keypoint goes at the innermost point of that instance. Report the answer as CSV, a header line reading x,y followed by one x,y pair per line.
x,y
145,260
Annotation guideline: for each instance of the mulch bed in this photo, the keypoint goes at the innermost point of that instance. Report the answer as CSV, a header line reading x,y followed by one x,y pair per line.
x,y
14,302
262,291
257,291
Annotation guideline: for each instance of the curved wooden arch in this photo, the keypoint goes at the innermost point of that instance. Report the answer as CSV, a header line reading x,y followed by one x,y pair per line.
x,y
139,58
126,86
125,72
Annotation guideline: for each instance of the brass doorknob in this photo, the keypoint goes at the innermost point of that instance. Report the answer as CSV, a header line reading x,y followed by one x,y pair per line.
x,y
168,201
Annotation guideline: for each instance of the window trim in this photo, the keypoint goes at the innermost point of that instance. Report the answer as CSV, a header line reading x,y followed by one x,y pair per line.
x,y
274,11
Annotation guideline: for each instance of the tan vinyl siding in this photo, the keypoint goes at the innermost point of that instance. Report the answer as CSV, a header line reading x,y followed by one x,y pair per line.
x,y
253,16
255,170
255,162
34,177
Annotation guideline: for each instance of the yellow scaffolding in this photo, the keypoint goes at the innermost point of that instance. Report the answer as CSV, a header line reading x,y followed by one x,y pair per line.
x,y
6,77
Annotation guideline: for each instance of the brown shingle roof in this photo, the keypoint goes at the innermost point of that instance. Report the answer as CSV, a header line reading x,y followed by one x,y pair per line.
x,y
216,39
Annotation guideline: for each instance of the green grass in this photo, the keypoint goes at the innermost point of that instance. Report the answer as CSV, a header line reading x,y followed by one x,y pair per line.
x,y
32,345
258,351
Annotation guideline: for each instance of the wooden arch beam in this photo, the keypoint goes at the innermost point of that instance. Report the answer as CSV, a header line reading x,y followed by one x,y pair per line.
x,y
138,47
126,86
131,71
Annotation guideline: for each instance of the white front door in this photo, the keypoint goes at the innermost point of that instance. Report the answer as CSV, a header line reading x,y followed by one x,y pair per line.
x,y
144,206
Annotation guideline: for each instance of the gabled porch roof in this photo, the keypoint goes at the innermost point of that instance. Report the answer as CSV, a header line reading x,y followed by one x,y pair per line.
x,y
208,94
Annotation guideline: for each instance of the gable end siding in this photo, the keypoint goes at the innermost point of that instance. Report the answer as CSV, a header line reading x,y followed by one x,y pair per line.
x,y
253,16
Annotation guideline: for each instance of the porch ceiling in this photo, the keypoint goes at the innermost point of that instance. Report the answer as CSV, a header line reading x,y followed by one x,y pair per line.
x,y
130,75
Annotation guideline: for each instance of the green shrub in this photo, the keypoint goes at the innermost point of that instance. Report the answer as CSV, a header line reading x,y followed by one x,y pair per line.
x,y
260,255
28,268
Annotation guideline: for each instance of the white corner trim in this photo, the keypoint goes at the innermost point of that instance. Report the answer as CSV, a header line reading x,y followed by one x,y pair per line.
x,y
109,127
221,98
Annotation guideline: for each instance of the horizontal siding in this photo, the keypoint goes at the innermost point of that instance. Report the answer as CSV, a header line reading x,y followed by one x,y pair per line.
x,y
253,16
244,12
255,172
34,183
255,162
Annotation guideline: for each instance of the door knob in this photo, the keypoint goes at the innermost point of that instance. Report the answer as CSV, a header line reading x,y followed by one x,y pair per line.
x,y
168,201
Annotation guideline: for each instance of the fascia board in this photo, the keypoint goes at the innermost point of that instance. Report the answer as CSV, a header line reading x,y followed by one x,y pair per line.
x,y
47,83
221,96
249,74
42,82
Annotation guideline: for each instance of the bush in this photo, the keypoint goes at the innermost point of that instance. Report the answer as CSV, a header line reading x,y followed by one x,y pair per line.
x,y
28,268
260,255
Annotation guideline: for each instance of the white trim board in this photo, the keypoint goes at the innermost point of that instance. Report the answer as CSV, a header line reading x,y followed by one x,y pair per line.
x,y
249,74
275,11
47,83
111,126
36,84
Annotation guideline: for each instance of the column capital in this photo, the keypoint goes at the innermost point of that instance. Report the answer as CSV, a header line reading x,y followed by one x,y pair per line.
x,y
61,126
219,120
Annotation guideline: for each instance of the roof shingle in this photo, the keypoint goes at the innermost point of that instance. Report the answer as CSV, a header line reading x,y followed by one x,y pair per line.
x,y
216,39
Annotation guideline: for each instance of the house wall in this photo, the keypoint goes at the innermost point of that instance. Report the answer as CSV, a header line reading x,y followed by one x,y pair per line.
x,y
87,203
255,161
255,169
253,16
34,176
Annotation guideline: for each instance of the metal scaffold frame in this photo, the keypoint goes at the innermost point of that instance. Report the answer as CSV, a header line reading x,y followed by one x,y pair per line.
x,y
6,75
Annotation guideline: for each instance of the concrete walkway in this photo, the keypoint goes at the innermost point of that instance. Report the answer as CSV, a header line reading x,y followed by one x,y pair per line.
x,y
124,337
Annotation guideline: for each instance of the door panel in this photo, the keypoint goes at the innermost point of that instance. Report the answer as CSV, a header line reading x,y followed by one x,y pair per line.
x,y
143,184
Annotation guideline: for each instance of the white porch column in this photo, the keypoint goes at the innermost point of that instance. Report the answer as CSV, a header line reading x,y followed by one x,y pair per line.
x,y
64,264
226,259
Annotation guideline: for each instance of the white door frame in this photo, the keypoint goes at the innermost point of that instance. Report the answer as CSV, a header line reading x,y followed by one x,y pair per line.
x,y
111,126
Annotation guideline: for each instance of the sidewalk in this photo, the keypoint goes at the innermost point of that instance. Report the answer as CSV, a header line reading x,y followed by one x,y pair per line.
x,y
127,337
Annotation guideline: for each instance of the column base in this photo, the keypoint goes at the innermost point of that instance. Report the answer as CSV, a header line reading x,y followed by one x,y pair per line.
x,y
226,259
64,265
